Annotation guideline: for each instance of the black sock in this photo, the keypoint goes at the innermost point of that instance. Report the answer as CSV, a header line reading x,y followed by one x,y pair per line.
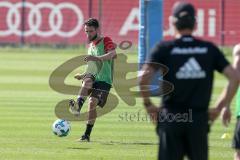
x,y
80,102
88,129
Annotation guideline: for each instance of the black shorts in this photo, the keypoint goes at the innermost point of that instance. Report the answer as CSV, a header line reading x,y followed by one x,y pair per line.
x,y
183,137
236,137
100,90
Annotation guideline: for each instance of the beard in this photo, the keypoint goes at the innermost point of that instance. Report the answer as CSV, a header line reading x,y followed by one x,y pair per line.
x,y
93,38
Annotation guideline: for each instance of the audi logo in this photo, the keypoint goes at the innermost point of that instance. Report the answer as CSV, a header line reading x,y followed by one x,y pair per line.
x,y
34,19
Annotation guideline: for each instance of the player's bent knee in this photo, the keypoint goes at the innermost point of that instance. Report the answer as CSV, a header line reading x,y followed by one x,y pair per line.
x,y
87,82
93,103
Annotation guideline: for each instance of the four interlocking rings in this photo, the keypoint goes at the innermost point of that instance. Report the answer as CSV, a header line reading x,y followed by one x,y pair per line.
x,y
34,19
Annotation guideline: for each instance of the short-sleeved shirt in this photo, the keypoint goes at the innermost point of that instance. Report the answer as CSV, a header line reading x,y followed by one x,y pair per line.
x,y
191,63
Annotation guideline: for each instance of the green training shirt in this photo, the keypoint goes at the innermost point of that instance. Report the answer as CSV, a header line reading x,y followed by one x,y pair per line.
x,y
102,71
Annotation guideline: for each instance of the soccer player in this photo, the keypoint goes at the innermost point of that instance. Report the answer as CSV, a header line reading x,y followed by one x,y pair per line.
x,y
96,84
191,64
236,138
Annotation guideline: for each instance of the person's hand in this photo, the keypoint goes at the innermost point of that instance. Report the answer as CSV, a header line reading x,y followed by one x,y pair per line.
x,y
226,116
213,113
79,76
91,58
153,112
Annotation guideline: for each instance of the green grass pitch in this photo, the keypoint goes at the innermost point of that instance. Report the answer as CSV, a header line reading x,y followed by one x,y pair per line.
x,y
27,113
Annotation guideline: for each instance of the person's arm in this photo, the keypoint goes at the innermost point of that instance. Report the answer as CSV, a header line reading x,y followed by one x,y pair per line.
x,y
108,56
154,63
231,88
147,73
110,52
233,76
224,101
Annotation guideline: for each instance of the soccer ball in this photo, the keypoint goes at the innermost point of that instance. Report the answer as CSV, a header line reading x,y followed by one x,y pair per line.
x,y
61,127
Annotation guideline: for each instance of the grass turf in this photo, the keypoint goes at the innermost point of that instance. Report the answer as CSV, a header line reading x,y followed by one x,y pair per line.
x,y
27,113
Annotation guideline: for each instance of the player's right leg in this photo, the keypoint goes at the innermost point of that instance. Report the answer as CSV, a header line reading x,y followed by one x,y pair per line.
x,y
92,115
98,97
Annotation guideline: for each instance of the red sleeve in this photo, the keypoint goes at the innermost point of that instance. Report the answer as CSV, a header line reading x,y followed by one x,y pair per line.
x,y
108,44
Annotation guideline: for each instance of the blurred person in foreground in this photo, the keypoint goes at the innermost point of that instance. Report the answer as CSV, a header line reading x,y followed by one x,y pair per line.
x,y
191,63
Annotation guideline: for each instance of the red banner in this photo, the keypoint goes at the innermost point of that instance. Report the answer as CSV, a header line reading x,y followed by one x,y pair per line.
x,y
60,21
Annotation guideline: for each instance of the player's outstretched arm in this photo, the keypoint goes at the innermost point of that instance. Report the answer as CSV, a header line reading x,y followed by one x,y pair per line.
x,y
108,56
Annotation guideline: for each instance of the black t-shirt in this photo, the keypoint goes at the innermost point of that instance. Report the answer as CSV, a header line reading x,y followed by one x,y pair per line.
x,y
191,63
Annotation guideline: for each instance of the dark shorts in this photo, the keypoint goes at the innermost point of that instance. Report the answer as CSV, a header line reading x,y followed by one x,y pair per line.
x,y
183,137
100,90
236,137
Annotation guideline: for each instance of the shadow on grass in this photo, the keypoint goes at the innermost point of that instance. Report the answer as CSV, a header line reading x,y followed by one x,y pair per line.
x,y
125,143
79,148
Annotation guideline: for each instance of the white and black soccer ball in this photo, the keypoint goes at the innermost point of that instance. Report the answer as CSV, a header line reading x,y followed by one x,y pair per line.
x,y
61,127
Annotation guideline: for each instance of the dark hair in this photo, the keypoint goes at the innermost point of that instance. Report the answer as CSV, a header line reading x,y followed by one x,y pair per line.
x,y
185,23
184,14
92,22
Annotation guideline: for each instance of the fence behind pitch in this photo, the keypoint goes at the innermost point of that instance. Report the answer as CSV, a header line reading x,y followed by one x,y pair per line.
x,y
60,21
